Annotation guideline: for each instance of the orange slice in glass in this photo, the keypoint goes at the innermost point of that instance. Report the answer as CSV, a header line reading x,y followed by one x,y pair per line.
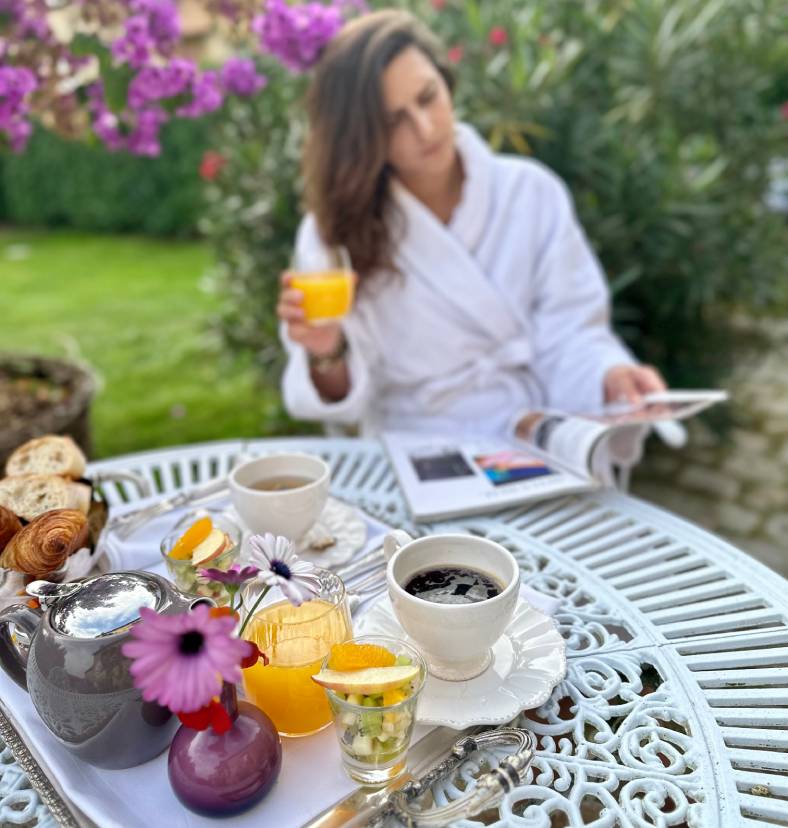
x,y
359,656
191,538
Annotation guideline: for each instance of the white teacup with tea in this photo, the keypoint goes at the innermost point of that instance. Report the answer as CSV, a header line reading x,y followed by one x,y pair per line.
x,y
454,595
282,493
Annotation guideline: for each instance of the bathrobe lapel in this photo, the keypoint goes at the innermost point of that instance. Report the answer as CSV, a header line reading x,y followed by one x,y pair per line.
x,y
441,256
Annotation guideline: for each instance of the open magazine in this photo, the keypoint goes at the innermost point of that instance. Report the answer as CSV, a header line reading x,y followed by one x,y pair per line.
x,y
552,453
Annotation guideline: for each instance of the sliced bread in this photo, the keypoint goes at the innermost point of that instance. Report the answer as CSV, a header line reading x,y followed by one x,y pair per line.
x,y
51,454
29,495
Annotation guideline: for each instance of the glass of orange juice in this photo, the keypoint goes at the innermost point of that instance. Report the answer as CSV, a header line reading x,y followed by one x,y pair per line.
x,y
295,640
327,281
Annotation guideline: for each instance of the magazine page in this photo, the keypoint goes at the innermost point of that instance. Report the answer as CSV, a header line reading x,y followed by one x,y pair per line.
x,y
441,478
573,439
662,405
570,439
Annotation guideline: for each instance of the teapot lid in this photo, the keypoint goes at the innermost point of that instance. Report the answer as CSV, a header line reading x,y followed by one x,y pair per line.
x,y
105,605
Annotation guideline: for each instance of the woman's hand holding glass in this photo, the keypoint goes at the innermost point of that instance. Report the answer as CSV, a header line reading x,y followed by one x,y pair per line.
x,y
319,340
315,296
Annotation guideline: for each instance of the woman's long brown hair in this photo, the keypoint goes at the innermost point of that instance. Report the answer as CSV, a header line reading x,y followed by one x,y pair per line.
x,y
345,169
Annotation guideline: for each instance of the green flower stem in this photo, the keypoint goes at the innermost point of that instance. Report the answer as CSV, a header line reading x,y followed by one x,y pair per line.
x,y
260,597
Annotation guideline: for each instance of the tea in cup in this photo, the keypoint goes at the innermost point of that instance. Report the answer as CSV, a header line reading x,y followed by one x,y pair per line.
x,y
454,595
281,493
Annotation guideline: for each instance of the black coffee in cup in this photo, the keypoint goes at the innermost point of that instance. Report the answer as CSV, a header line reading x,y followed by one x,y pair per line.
x,y
452,585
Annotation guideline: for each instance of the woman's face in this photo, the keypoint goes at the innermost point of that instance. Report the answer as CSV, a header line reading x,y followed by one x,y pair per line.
x,y
419,116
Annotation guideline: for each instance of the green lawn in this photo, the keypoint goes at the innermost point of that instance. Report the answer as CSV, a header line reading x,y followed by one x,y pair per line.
x,y
133,308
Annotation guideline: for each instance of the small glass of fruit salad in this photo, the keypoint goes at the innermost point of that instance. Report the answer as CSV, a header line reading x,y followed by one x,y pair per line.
x,y
373,684
202,539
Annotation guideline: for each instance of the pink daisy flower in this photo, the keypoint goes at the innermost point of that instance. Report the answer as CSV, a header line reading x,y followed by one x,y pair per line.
x,y
181,660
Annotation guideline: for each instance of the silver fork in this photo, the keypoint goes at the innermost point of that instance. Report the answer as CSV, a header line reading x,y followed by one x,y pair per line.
x,y
365,589
358,566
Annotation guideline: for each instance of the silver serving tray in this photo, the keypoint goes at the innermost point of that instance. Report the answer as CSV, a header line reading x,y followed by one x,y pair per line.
x,y
64,813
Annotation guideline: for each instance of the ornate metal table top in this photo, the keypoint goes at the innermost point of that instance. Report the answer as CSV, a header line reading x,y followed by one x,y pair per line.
x,y
674,710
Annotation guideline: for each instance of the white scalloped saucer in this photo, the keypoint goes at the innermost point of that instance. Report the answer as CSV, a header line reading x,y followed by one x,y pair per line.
x,y
339,522
528,661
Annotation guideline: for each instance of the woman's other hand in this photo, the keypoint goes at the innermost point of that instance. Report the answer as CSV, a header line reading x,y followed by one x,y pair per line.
x,y
628,383
319,340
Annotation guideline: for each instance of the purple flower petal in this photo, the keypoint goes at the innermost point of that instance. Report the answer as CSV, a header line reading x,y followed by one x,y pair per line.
x,y
239,77
234,576
296,35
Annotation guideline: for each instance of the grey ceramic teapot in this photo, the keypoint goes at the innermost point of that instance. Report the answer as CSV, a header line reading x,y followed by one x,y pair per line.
x,y
68,656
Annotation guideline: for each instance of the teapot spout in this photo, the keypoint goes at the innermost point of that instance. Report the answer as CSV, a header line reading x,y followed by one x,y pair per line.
x,y
14,649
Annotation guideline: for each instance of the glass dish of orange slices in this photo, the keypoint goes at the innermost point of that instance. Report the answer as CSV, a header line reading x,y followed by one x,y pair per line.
x,y
373,684
201,539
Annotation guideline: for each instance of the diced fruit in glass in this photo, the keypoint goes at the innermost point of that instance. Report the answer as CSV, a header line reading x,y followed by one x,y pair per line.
x,y
395,696
362,745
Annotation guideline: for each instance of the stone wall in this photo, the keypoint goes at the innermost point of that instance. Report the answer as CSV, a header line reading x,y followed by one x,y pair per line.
x,y
735,483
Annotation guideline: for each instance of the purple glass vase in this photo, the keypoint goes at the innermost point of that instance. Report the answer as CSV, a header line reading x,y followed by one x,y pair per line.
x,y
220,774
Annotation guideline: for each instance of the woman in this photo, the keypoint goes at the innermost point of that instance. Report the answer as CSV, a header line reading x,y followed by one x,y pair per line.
x,y
479,297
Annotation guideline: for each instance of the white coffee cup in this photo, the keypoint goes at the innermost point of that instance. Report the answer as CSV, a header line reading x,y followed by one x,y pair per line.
x,y
288,512
456,638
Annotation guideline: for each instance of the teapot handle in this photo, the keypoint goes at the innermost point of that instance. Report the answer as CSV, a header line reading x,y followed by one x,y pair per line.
x,y
13,654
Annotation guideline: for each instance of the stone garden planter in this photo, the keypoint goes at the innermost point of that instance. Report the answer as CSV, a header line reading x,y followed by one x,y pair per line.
x,y
43,395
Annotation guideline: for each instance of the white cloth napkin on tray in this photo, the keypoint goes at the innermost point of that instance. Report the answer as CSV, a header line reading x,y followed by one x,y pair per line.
x,y
141,550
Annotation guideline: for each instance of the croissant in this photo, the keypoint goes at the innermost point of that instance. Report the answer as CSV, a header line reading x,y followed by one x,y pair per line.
x,y
9,526
41,547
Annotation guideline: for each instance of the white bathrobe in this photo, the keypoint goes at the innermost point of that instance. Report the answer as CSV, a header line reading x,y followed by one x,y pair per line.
x,y
503,310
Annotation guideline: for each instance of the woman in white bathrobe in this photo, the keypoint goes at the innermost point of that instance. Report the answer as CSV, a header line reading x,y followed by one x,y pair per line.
x,y
479,297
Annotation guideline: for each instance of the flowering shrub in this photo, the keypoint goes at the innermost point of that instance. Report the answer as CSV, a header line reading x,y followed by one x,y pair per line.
x,y
112,66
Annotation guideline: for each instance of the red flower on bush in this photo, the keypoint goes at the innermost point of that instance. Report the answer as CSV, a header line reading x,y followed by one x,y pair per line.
x,y
438,5
784,111
498,36
211,164
455,54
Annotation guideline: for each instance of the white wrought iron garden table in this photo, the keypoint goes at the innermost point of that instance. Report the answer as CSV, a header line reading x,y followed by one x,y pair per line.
x,y
674,709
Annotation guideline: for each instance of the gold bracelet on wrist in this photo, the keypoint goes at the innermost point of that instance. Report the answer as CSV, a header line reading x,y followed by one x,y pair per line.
x,y
327,362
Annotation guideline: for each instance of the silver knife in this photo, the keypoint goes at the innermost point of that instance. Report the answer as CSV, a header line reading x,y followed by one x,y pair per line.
x,y
127,523
358,808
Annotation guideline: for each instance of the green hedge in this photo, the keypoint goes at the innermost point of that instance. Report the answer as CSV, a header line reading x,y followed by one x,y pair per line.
x,y
57,182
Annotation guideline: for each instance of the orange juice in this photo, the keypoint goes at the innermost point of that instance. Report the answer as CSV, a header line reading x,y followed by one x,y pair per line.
x,y
328,294
296,640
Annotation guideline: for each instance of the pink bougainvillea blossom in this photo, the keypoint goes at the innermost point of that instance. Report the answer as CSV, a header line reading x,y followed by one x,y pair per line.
x,y
296,35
